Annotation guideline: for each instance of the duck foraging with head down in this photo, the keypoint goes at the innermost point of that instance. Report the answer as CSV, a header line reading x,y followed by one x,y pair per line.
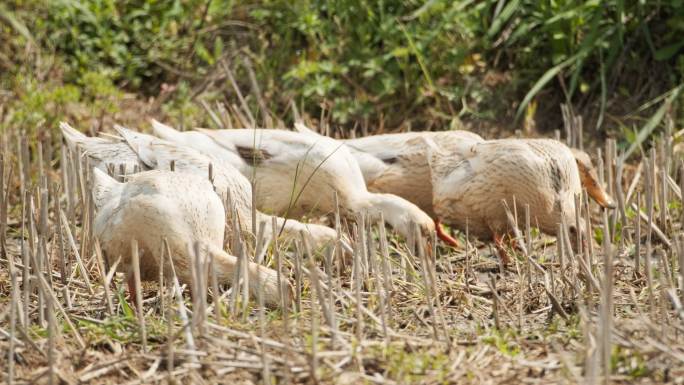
x,y
539,173
181,209
299,174
147,152
388,161
398,163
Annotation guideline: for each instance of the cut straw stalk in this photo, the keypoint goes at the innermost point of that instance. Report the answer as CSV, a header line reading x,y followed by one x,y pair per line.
x,y
606,310
14,306
64,265
77,254
265,361
135,261
284,305
52,336
329,255
177,292
431,294
103,275
298,277
3,217
652,226
235,288
680,255
314,319
199,286
244,271
314,276
216,294
26,260
637,240
160,278
386,272
650,197
356,284
46,289
495,302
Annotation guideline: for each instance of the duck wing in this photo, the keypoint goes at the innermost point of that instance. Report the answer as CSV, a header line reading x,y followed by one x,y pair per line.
x,y
461,169
296,173
379,155
197,140
253,156
281,149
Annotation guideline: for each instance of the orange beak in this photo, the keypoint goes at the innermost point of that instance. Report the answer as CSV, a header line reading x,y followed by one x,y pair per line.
x,y
596,192
444,236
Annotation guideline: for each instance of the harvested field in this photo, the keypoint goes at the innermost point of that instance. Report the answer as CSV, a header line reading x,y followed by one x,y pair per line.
x,y
380,310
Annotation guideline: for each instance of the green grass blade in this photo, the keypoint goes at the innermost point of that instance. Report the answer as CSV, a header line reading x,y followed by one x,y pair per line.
x,y
548,75
653,122
502,18
602,76
419,56
11,19
590,43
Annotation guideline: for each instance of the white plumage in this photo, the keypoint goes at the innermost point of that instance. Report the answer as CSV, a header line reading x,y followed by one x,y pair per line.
x,y
183,209
153,153
298,173
460,179
468,186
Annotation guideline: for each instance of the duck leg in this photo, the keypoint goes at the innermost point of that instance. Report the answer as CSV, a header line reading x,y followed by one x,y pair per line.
x,y
444,236
132,293
501,249
513,242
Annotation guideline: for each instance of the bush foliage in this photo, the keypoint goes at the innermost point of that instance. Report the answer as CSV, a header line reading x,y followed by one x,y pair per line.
x,y
424,63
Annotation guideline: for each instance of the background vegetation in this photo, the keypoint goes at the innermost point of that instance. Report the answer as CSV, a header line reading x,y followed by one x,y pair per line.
x,y
430,64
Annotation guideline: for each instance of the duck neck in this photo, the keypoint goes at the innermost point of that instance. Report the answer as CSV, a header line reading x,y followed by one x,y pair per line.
x,y
394,210
290,228
257,276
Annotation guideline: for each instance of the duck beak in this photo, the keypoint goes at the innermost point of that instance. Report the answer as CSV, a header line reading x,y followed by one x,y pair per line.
x,y
602,198
590,182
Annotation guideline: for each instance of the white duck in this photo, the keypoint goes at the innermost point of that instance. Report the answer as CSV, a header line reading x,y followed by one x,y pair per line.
x,y
297,174
153,153
181,208
398,163
468,187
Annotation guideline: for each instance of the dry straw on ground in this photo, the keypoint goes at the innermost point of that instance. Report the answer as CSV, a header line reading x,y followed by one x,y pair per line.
x,y
383,311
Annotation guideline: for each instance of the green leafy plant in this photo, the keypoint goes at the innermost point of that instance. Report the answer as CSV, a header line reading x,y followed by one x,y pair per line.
x,y
402,62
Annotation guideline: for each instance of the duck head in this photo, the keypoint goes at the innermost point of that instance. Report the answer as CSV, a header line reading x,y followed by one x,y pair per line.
x,y
399,213
590,180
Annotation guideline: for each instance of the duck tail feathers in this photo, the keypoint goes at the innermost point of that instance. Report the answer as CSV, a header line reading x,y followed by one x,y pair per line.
x,y
164,131
140,143
72,136
303,129
103,187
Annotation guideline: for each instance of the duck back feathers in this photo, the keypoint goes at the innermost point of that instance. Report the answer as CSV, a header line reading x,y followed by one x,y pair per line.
x,y
541,173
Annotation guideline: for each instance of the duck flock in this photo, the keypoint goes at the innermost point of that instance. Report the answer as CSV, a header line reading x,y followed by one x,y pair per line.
x,y
173,187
